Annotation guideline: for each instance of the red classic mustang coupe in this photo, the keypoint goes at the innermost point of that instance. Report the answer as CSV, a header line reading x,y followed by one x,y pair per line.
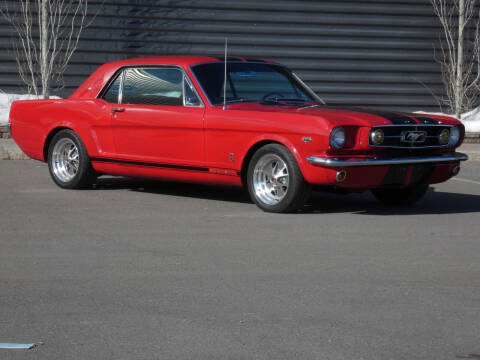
x,y
262,127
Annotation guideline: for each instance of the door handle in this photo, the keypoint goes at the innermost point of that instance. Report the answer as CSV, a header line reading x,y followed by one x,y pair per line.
x,y
115,110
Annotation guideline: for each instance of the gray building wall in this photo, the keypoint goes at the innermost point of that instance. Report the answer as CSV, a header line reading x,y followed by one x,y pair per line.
x,y
375,53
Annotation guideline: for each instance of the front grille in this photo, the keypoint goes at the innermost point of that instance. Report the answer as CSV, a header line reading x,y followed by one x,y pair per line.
x,y
398,136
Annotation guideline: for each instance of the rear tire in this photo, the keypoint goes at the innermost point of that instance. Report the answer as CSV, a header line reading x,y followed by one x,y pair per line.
x,y
401,196
275,182
68,161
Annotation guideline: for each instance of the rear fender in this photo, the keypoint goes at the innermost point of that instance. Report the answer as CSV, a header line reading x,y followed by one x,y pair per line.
x,y
87,136
85,123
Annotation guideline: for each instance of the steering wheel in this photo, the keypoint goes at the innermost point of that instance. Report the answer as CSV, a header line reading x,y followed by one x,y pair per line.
x,y
270,94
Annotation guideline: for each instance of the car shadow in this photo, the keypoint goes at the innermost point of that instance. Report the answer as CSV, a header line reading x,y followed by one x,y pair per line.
x,y
434,202
200,191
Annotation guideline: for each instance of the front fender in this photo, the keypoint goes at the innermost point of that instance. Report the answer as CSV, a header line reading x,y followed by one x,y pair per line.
x,y
287,140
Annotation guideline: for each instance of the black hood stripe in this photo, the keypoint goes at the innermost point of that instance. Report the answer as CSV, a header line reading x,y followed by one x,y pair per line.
x,y
424,119
395,118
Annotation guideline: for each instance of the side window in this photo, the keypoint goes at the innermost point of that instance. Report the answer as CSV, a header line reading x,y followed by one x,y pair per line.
x,y
111,95
153,86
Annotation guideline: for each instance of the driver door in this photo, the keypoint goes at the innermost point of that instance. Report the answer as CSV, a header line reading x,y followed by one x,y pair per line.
x,y
159,118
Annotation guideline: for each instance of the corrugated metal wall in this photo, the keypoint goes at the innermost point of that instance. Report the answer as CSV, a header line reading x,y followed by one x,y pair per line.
x,y
355,52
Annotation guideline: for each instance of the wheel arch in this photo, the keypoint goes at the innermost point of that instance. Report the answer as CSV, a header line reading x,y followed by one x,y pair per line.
x,y
48,139
262,142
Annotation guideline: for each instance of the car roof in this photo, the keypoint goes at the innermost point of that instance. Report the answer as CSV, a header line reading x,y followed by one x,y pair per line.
x,y
95,82
181,60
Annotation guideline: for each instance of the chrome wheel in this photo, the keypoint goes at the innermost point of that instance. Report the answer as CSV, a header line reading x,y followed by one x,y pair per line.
x,y
65,160
270,179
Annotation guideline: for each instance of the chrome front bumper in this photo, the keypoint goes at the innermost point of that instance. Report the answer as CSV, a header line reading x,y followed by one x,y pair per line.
x,y
335,162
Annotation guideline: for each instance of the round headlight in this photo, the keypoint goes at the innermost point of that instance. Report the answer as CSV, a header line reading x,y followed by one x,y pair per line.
x,y
454,136
377,137
444,137
337,137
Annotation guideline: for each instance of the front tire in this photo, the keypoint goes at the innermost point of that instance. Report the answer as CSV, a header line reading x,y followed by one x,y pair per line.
x,y
401,196
275,182
68,161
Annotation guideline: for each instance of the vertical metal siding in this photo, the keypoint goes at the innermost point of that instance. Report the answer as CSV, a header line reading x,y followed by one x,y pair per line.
x,y
356,52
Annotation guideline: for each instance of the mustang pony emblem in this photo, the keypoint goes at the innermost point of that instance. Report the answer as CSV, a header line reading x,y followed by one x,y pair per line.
x,y
414,137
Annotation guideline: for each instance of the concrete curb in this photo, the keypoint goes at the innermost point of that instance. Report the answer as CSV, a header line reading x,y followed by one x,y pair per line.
x,y
472,150
10,151
472,138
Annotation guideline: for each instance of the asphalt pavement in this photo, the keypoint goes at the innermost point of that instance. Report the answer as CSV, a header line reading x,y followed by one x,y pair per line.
x,y
137,269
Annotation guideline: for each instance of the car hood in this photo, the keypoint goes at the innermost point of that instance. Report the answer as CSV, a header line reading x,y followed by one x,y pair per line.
x,y
336,116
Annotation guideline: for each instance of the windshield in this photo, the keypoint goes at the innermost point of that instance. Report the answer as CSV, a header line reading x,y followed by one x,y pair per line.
x,y
256,82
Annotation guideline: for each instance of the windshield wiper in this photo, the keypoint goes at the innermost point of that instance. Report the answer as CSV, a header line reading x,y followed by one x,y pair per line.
x,y
309,105
238,100
279,100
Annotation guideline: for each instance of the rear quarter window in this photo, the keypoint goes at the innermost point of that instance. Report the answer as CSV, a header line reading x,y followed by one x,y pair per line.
x,y
111,95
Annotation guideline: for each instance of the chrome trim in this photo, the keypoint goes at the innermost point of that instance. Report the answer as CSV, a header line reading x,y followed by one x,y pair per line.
x,y
335,162
270,179
312,93
66,160
184,99
422,135
413,125
398,137
409,146
120,90
188,82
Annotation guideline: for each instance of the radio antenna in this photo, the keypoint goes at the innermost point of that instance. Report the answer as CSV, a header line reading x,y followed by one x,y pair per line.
x,y
225,78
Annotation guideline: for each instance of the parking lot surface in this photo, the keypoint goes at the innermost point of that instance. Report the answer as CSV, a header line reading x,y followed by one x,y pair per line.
x,y
137,269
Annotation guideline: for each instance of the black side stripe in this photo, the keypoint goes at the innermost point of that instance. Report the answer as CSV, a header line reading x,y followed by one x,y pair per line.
x,y
140,163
